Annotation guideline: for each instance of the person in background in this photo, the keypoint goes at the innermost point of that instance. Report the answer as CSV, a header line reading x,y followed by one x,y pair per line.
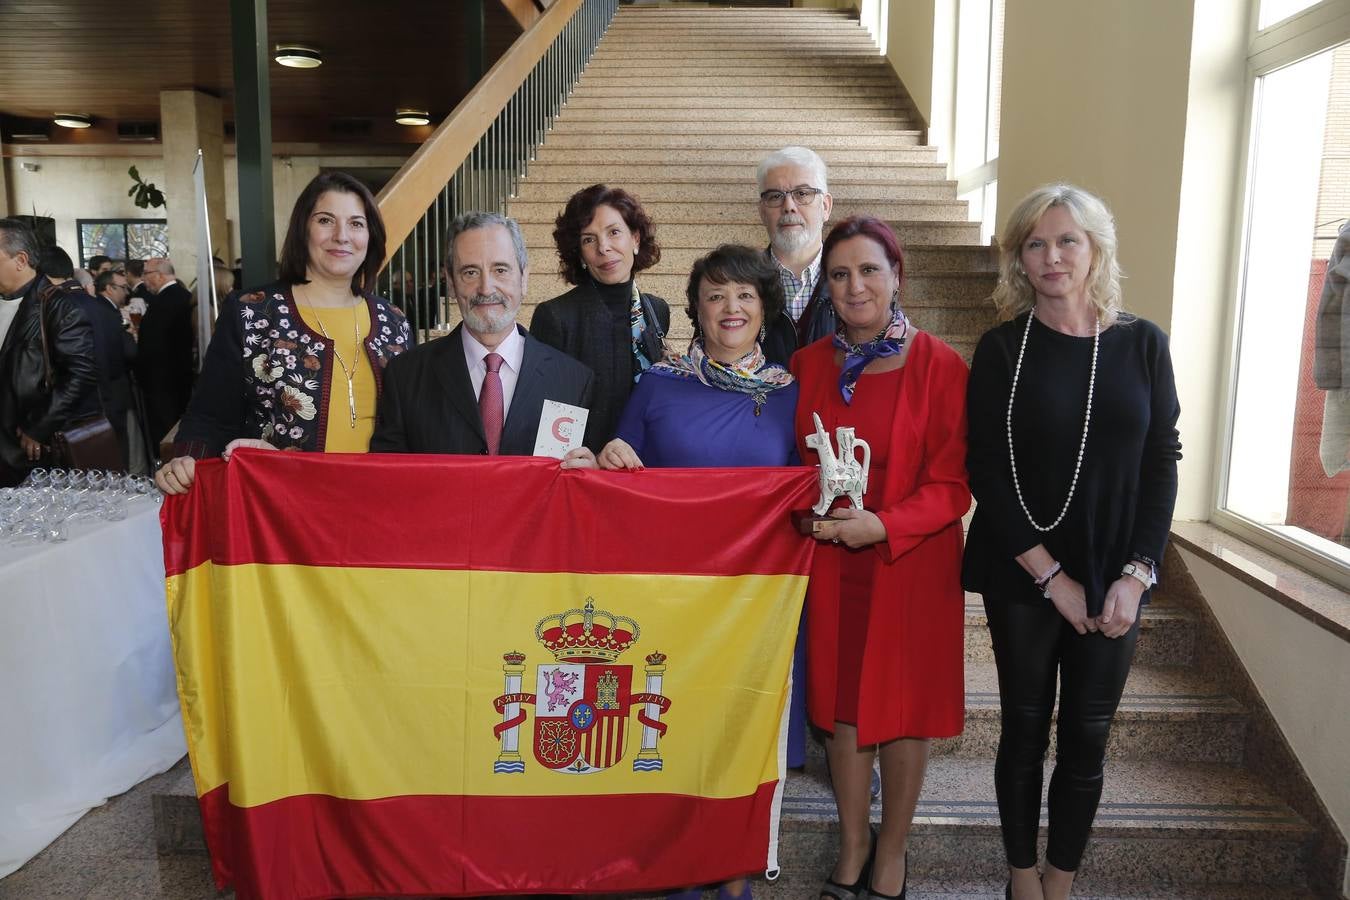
x,y
31,409
319,332
100,264
164,359
1073,462
116,359
794,205
604,238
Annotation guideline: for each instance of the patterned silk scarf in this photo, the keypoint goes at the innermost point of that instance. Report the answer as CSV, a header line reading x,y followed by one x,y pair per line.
x,y
751,374
638,323
890,342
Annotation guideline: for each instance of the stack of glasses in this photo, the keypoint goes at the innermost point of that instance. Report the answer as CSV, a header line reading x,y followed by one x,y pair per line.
x,y
39,509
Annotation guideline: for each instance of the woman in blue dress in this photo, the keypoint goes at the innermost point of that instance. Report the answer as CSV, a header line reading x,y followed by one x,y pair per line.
x,y
721,404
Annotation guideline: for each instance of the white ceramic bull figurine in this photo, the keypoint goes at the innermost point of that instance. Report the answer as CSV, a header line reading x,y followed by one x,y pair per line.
x,y
841,474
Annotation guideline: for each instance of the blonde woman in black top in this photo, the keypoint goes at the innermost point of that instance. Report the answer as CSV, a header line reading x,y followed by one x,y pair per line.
x,y
1072,457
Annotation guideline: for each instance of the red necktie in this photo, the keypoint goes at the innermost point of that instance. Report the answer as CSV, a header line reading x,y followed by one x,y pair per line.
x,y
490,405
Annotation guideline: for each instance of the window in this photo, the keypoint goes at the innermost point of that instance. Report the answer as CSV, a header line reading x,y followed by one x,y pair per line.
x,y
123,239
1288,461
979,79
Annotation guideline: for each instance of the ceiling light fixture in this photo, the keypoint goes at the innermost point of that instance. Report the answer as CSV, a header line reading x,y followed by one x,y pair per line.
x,y
412,117
298,56
73,120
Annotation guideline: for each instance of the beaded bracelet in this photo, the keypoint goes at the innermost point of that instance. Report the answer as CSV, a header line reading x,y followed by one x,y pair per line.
x,y
1044,580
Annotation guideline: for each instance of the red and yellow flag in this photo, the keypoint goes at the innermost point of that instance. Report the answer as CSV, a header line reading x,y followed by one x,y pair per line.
x,y
462,676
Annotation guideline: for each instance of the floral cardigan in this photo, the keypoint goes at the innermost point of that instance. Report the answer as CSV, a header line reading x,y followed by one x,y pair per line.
x,y
267,374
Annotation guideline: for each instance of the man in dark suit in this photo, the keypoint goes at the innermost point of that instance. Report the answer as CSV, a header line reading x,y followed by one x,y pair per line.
x,y
118,351
164,359
481,388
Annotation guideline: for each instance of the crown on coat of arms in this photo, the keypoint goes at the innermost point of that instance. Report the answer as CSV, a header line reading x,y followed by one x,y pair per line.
x,y
587,634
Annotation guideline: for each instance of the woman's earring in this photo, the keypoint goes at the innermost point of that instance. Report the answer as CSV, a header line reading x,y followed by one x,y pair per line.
x,y
895,299
763,333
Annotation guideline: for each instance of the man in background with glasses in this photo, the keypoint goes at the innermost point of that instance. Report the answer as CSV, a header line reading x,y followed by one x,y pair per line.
x,y
794,204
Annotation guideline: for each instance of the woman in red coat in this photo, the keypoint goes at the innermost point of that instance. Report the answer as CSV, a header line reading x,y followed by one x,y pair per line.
x,y
885,605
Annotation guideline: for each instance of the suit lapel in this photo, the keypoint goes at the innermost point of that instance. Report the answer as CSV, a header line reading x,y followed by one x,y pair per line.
x,y
522,421
453,374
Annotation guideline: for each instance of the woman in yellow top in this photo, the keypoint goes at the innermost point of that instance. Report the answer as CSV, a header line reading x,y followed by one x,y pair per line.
x,y
297,365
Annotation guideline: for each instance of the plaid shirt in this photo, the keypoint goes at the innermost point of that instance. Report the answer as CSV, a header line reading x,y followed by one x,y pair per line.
x,y
797,291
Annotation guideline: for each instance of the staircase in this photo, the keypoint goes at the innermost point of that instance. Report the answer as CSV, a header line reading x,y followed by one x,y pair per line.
x,y
678,106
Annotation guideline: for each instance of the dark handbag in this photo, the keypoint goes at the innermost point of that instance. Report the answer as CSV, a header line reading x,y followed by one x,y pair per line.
x,y
89,443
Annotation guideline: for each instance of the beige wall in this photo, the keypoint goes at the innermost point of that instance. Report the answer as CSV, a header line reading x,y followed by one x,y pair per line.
x,y
69,188
1302,672
1142,103
1206,240
1095,94
921,47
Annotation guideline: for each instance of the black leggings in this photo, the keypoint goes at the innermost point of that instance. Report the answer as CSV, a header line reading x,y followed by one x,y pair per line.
x,y
1032,642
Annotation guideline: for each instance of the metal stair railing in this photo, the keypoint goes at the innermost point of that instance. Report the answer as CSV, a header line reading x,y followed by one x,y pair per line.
x,y
475,158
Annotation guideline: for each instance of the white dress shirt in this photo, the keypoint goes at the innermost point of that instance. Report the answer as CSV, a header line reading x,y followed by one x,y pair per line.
x,y
512,352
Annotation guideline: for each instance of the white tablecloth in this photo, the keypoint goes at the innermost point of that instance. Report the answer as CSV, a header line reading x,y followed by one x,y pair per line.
x,y
88,707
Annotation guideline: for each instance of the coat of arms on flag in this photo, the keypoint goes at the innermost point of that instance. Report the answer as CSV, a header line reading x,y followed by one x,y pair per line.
x,y
583,698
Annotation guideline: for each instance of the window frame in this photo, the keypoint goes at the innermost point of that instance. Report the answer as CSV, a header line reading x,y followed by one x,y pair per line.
x,y
80,223
1305,34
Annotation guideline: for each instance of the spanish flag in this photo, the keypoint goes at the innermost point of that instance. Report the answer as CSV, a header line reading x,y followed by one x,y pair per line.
x,y
459,676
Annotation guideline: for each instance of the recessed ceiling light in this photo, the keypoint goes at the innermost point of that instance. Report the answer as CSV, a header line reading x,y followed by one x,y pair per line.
x,y
298,56
412,117
73,120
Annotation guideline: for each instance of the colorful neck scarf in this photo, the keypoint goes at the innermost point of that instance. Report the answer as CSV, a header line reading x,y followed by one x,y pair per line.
x,y
638,322
890,342
751,374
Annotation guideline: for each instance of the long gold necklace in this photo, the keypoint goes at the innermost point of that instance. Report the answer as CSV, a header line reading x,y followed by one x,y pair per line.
x,y
350,373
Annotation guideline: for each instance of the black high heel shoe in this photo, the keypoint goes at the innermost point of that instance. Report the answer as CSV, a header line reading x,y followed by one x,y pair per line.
x,y
833,890
874,894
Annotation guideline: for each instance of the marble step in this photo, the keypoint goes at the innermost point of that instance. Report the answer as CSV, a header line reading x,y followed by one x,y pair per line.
x,y
774,83
689,100
921,260
1187,826
882,117
755,144
675,212
704,237
534,189
1166,633
1167,713
734,63
828,68
768,127
834,158
698,52
950,305
1159,823
628,89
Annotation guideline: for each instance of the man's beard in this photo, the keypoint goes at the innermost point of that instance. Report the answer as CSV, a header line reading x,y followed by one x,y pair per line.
x,y
490,314
792,240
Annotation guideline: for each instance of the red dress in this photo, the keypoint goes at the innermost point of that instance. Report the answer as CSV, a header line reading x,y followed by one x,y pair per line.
x,y
885,625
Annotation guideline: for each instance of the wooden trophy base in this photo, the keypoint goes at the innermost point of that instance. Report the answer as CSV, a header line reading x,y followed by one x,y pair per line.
x,y
804,520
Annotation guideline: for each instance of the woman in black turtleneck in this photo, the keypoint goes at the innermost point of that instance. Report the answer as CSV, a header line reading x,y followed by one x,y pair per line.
x,y
604,239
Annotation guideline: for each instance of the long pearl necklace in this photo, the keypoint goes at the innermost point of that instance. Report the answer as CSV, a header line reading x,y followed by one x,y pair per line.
x,y
1082,444
349,373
